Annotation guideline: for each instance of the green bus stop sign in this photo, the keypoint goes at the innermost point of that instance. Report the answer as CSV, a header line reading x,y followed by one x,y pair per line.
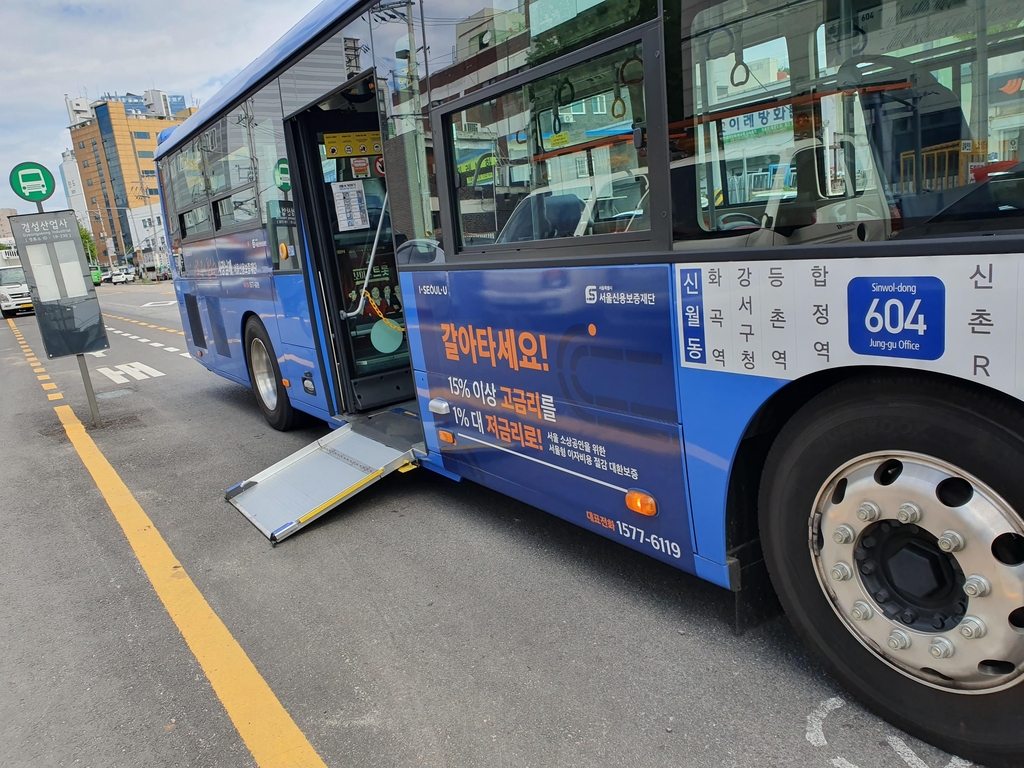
x,y
32,182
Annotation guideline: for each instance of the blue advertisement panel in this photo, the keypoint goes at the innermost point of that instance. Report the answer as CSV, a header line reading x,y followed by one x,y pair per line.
x,y
897,317
240,261
561,383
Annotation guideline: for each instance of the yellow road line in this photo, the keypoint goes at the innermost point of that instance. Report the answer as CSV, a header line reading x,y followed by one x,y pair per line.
x,y
264,725
49,385
55,396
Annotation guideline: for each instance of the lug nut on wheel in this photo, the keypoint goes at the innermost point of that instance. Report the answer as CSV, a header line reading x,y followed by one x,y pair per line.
x,y
841,572
861,611
909,513
868,512
951,541
898,640
977,586
972,627
844,534
941,648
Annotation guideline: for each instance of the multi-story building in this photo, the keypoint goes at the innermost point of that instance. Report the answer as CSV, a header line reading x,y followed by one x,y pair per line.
x,y
113,145
72,180
5,224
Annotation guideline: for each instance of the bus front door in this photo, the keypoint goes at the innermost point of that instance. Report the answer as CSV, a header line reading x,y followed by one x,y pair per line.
x,y
342,187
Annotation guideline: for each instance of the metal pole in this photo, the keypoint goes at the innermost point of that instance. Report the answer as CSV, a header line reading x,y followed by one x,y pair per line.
x,y
94,407
39,207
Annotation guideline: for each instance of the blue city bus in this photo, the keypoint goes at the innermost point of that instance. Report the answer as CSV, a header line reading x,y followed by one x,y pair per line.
x,y
734,283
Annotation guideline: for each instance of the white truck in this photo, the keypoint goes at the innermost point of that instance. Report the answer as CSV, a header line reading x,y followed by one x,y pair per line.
x,y
14,294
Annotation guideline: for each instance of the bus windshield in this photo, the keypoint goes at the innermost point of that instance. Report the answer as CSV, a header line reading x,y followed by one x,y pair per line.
x,y
12,276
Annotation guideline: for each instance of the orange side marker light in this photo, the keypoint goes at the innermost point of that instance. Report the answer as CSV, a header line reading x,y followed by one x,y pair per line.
x,y
642,503
445,436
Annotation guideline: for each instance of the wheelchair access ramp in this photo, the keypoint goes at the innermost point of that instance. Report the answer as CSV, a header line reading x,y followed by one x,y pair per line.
x,y
289,495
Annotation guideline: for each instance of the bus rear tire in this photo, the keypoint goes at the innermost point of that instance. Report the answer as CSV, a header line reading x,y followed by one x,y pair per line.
x,y
265,377
863,495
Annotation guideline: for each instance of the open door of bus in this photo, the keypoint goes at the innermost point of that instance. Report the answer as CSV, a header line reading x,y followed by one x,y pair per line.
x,y
341,190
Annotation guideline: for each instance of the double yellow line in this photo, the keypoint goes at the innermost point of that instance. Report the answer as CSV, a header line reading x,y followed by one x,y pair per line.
x,y
267,729
144,325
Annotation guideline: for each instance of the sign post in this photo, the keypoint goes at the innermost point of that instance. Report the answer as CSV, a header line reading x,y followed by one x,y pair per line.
x,y
60,280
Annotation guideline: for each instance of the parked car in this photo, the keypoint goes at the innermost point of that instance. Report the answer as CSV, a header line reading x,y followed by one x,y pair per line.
x,y
122,275
106,275
163,274
14,293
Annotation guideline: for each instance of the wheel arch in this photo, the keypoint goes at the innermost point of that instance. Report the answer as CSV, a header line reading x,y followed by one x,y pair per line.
x,y
742,539
241,334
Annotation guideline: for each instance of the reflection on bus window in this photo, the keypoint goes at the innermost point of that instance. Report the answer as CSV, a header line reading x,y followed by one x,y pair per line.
x,y
541,163
812,127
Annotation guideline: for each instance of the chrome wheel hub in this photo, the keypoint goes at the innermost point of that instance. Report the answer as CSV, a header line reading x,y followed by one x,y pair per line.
x,y
925,566
263,374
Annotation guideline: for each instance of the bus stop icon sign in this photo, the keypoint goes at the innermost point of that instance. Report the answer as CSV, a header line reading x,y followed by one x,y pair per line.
x,y
32,182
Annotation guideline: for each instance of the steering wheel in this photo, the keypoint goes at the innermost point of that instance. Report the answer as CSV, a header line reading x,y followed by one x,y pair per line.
x,y
730,221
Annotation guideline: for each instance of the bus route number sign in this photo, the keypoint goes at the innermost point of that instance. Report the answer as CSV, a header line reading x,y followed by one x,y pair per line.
x,y
897,317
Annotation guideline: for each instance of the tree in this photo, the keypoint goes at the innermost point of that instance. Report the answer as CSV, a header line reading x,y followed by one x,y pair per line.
x,y
88,242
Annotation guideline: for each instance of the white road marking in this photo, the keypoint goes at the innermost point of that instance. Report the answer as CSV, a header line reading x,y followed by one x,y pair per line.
x,y
816,720
911,759
137,371
171,349
131,337
159,303
144,341
906,753
155,344
840,762
185,354
114,376
97,354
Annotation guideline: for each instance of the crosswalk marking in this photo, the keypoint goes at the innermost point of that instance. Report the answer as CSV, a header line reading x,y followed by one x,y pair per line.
x,y
155,344
144,341
171,349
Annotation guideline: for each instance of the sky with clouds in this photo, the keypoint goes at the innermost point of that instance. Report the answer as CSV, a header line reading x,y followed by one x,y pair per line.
x,y
86,48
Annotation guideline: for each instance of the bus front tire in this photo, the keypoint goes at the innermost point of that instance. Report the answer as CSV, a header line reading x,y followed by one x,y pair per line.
x,y
863,496
265,377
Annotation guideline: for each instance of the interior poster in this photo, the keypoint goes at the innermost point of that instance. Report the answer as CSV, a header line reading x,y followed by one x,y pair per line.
x,y
350,205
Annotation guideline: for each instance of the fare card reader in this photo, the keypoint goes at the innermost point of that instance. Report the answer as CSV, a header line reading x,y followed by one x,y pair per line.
x,y
60,281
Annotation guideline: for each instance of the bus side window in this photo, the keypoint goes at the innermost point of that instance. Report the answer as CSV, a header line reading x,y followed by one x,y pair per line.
x,y
554,159
827,136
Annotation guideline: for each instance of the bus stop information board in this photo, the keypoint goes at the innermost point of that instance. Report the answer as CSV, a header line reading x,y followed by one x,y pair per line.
x,y
60,280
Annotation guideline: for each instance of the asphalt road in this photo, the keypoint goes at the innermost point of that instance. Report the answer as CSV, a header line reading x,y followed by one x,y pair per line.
x,y
427,623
